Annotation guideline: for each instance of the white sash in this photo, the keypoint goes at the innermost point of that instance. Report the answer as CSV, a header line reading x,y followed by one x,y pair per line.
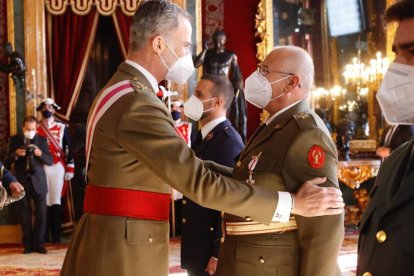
x,y
103,103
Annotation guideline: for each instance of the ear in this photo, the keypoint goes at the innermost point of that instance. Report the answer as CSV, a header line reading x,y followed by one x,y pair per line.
x,y
292,84
158,44
219,101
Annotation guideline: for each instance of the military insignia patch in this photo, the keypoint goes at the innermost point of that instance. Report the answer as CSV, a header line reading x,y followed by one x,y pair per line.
x,y
209,136
316,157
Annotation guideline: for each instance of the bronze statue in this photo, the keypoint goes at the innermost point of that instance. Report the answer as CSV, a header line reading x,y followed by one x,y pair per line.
x,y
16,65
345,132
220,61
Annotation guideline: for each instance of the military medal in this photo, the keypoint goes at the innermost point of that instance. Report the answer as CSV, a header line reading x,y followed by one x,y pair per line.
x,y
251,166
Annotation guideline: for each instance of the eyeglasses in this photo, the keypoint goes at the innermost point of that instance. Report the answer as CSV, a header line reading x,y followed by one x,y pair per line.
x,y
264,70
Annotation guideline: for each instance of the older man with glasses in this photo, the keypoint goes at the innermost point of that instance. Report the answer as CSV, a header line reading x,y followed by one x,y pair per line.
x,y
292,146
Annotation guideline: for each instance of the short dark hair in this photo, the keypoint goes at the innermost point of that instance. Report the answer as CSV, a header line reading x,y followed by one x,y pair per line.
x,y
222,87
401,10
155,17
29,119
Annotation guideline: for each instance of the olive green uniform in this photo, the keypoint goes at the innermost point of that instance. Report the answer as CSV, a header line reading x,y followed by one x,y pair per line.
x,y
285,161
135,147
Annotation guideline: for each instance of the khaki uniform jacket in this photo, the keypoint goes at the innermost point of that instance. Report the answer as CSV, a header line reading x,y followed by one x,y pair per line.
x,y
136,147
311,250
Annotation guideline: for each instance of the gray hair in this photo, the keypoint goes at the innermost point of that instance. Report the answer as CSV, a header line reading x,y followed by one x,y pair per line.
x,y
300,63
154,17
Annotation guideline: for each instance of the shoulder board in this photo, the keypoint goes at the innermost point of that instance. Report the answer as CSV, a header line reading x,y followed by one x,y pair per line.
x,y
139,86
305,120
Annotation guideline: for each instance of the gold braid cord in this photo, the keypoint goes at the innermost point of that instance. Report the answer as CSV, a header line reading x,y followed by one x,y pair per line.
x,y
82,7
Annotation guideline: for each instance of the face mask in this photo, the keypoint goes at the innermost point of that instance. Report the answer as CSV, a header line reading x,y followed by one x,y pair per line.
x,y
194,109
181,70
396,94
175,115
258,90
29,134
47,114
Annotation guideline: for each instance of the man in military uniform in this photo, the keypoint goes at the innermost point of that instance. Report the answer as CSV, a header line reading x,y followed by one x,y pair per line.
x,y
63,167
386,243
217,141
134,156
291,146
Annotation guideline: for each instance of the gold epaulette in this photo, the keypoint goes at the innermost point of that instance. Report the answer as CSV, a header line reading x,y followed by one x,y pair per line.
x,y
139,86
304,120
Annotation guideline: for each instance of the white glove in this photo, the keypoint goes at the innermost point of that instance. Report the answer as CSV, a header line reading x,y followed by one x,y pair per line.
x,y
176,194
69,175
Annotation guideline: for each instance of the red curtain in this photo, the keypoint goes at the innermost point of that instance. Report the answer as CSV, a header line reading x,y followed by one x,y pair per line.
x,y
122,24
4,81
70,37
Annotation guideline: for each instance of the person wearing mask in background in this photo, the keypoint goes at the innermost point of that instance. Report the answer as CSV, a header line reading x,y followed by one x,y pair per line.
x,y
293,145
386,244
63,167
134,157
217,141
27,154
393,137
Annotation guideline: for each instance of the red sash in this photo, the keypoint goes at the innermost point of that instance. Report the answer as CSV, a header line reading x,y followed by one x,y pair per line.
x,y
126,203
52,139
103,103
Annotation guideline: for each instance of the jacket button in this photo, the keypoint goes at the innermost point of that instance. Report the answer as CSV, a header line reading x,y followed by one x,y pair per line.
x,y
367,274
183,220
184,202
211,229
261,260
149,239
381,236
238,164
222,239
248,218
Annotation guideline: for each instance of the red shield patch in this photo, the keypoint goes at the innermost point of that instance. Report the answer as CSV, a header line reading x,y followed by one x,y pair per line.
x,y
316,157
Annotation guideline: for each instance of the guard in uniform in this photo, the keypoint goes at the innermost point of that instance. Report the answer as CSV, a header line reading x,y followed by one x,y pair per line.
x,y
63,167
217,141
292,146
386,241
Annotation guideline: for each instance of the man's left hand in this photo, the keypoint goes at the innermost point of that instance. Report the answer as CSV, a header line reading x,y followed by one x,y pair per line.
x,y
37,152
211,266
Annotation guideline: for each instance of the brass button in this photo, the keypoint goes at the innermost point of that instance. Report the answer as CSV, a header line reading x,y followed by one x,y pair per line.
x,y
367,274
261,260
211,229
149,239
184,220
222,239
239,164
184,202
277,126
381,236
248,218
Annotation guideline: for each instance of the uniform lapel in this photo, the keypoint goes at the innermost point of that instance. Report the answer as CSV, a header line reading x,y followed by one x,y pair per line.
x,y
198,147
262,135
133,72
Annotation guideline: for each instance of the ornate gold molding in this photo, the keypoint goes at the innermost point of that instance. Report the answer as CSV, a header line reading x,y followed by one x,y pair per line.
x,y
82,7
35,53
264,28
12,89
264,32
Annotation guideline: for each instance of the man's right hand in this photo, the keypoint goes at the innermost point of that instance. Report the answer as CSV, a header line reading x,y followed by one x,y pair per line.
x,y
312,200
21,152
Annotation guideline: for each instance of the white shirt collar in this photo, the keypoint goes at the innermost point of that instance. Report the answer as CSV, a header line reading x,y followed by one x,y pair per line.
x,y
279,112
205,130
152,80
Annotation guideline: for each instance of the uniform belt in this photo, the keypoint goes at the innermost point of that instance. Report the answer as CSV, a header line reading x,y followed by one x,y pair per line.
x,y
126,203
254,228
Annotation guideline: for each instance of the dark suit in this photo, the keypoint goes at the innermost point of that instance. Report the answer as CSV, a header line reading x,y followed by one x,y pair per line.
x,y
201,227
35,186
386,243
401,134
